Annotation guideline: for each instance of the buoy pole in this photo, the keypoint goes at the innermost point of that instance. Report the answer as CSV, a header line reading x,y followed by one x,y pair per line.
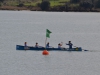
x,y
45,52
45,42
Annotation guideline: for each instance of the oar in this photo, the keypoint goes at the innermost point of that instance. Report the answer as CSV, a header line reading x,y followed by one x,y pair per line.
x,y
51,47
82,49
63,48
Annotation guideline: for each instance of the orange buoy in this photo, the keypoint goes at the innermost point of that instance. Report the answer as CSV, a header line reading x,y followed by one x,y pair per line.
x,y
45,52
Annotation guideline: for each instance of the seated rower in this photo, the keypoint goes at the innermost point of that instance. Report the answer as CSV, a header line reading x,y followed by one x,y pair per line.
x,y
36,45
26,47
25,44
47,45
59,45
70,45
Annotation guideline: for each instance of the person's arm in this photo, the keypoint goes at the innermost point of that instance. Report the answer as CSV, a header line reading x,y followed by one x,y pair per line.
x,y
61,43
67,44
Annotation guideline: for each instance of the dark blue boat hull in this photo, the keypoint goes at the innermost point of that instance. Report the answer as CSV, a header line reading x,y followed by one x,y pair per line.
x,y
20,47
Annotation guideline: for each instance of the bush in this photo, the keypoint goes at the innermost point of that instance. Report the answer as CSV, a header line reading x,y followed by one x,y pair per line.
x,y
98,4
1,0
45,5
75,1
20,5
86,5
38,4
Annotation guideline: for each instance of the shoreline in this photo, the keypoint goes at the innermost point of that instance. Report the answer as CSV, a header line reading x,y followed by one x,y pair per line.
x,y
15,8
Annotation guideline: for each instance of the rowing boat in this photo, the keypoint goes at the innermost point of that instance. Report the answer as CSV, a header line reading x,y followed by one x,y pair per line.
x,y
20,47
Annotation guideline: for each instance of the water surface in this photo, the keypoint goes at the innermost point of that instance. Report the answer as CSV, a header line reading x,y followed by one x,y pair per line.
x,y
82,29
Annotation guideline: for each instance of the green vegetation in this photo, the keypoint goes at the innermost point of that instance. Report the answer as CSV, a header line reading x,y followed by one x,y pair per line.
x,y
53,5
45,5
58,2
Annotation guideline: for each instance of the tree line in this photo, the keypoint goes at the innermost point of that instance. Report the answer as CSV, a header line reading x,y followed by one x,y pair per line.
x,y
74,5
71,5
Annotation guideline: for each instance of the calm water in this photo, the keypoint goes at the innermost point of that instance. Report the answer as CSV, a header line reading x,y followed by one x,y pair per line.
x,y
83,29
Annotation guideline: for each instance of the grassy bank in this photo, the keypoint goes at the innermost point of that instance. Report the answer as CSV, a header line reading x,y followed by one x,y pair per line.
x,y
55,5
35,2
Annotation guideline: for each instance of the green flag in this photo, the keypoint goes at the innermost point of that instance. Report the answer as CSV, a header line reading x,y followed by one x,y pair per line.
x,y
48,33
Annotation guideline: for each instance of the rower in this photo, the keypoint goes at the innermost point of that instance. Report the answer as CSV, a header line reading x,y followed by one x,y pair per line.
x,y
25,44
70,44
26,47
59,45
47,45
36,45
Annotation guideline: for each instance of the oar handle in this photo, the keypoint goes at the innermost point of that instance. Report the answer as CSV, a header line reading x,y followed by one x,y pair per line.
x,y
75,46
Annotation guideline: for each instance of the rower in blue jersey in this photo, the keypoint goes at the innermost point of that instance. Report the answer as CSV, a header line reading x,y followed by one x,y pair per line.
x,y
70,45
47,45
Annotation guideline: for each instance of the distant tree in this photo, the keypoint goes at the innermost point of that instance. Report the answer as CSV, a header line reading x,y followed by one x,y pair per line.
x,y
97,4
20,5
92,1
1,0
38,4
74,1
86,5
45,5
66,6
